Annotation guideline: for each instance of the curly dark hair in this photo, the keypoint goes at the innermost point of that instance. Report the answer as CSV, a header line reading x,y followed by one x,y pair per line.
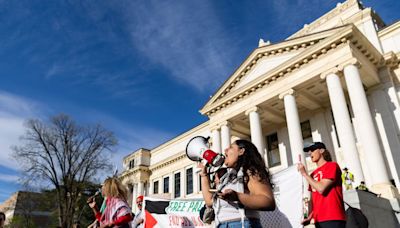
x,y
252,162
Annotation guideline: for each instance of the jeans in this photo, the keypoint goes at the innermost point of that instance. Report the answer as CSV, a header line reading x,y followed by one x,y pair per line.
x,y
248,223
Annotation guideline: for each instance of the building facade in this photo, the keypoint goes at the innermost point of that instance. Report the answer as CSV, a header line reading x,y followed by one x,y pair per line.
x,y
336,81
28,209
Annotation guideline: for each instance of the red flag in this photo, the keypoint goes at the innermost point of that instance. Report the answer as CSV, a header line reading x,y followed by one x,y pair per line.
x,y
150,221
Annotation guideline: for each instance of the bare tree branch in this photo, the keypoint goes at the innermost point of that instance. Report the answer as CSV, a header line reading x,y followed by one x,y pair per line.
x,y
65,155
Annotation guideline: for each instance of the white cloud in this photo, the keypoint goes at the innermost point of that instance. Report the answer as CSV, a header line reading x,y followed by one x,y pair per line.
x,y
14,111
130,136
187,39
9,178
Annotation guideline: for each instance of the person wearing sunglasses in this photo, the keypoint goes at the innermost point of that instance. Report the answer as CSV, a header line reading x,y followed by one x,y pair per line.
x,y
325,184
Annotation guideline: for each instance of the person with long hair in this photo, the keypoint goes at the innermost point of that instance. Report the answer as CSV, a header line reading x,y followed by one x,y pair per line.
x,y
117,212
325,184
243,190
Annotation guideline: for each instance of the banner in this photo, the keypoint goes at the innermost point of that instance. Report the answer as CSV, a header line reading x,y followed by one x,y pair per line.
x,y
288,192
173,213
184,213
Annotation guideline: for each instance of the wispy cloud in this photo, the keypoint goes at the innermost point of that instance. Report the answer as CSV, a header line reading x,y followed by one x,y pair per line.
x,y
131,136
9,178
14,111
187,39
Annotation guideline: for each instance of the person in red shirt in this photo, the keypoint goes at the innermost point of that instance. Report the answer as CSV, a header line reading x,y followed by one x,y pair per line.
x,y
325,184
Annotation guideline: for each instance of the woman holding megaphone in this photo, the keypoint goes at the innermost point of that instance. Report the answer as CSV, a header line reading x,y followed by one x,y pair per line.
x,y
243,190
117,212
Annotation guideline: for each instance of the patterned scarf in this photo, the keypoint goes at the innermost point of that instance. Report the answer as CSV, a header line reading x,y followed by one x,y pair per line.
x,y
115,208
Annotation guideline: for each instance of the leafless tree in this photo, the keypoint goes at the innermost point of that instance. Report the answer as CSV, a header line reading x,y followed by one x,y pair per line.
x,y
66,155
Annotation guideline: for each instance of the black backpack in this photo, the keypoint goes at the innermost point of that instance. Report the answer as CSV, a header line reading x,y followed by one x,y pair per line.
x,y
355,218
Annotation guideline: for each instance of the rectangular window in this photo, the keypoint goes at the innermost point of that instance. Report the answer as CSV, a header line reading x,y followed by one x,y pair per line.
x,y
131,163
306,129
274,158
177,184
155,187
166,184
199,182
189,181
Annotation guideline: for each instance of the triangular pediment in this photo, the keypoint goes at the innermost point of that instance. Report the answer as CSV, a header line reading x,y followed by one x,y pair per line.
x,y
266,59
264,65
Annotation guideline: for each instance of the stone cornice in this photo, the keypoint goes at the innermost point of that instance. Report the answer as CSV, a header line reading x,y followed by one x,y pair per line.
x,y
167,162
135,170
135,154
278,73
389,29
391,60
347,36
326,17
270,50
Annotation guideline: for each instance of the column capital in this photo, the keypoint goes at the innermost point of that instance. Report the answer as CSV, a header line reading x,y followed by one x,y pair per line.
x,y
215,127
352,61
226,123
287,92
252,109
333,70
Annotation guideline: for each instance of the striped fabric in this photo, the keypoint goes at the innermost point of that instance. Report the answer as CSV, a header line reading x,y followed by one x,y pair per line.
x,y
115,208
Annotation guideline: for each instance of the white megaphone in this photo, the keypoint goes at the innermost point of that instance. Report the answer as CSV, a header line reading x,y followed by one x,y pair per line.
x,y
198,149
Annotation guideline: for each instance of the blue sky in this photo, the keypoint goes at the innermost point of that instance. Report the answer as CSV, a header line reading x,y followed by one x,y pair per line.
x,y
141,68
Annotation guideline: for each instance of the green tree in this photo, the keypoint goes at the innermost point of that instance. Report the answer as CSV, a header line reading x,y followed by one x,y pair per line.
x,y
65,155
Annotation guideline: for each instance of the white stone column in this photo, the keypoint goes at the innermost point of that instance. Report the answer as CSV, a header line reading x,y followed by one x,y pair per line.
x,y
387,129
343,126
216,140
141,188
225,135
135,195
368,136
255,129
293,125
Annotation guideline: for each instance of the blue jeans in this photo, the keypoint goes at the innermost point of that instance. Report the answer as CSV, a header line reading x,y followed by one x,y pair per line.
x,y
248,223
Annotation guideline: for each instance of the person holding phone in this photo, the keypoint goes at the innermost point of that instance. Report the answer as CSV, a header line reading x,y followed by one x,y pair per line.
x,y
243,190
325,184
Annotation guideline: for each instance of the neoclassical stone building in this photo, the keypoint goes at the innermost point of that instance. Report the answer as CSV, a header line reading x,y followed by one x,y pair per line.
x,y
336,80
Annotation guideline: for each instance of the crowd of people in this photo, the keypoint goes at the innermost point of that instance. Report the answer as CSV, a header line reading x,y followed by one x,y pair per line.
x,y
234,194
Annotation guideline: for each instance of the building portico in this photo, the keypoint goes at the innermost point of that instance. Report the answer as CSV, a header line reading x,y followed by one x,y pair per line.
x,y
313,82
337,80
